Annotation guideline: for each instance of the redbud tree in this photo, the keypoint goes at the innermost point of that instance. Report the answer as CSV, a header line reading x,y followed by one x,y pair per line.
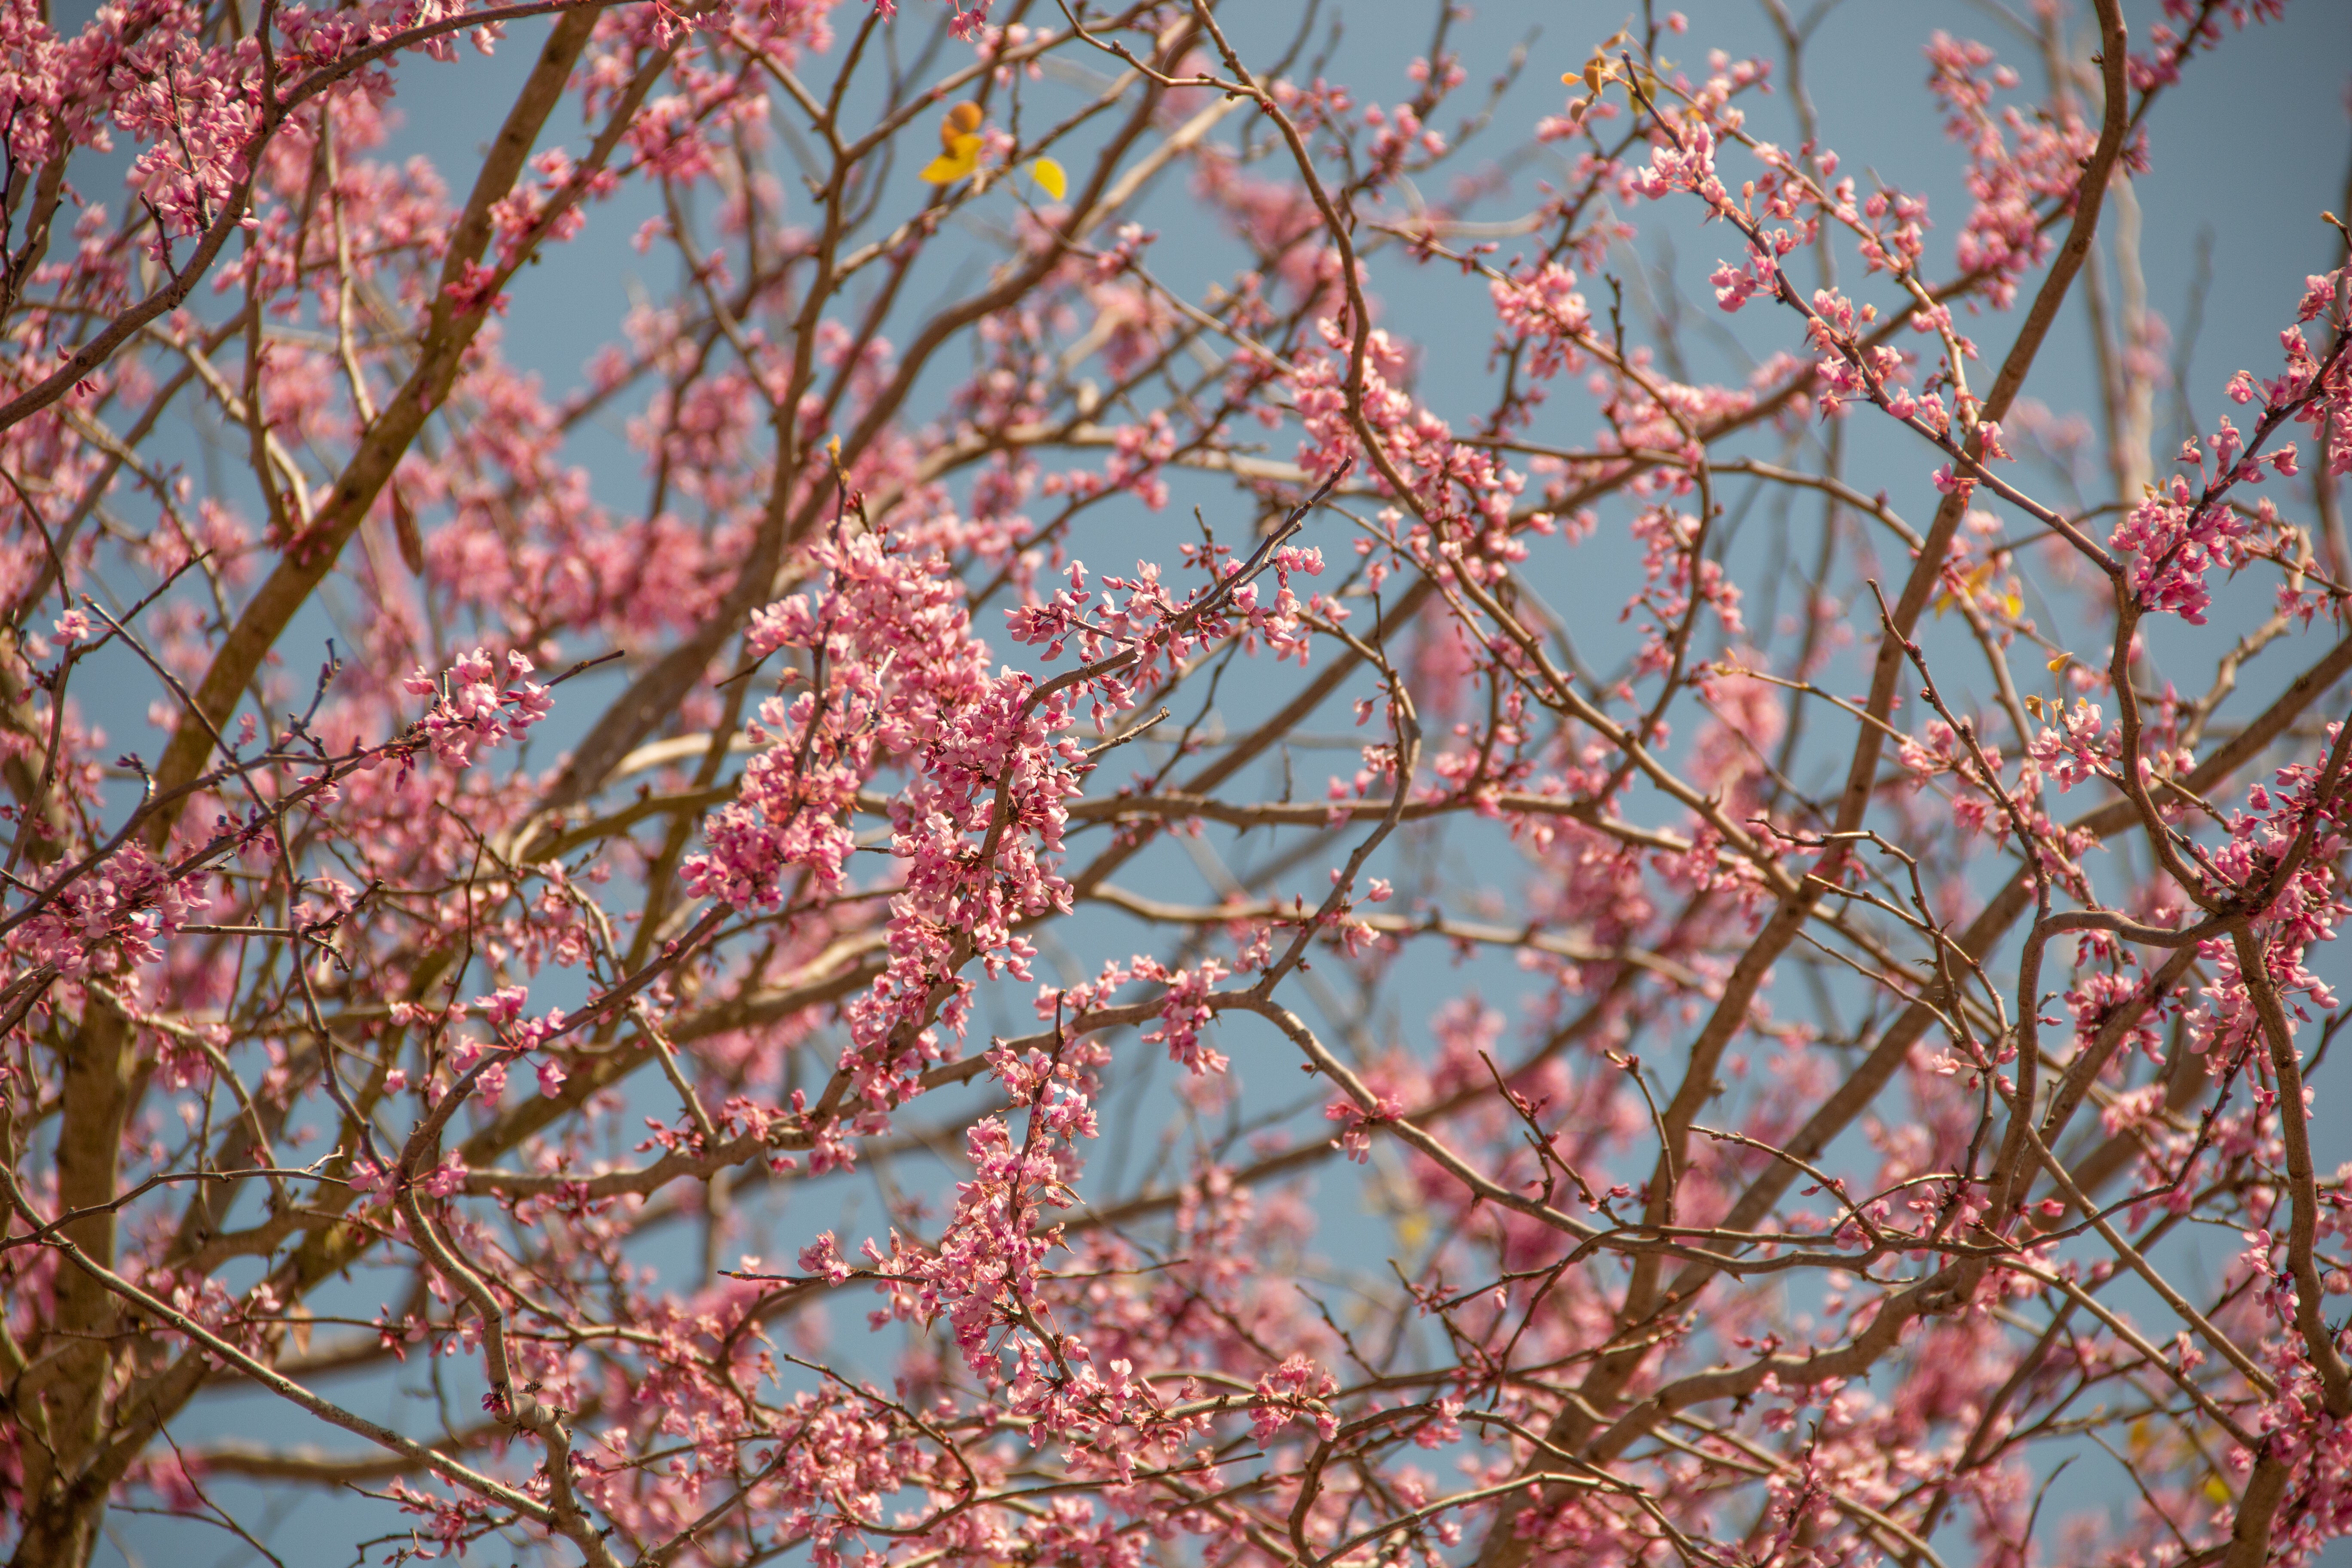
x,y
992,897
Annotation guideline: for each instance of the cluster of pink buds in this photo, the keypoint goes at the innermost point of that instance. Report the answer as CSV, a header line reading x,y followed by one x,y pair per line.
x,y
473,707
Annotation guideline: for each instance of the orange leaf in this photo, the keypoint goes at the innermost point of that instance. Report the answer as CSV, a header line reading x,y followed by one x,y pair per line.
x,y
960,121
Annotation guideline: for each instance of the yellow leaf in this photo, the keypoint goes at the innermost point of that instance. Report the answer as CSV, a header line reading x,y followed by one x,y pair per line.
x,y
2013,603
957,164
1050,178
2061,662
2216,1489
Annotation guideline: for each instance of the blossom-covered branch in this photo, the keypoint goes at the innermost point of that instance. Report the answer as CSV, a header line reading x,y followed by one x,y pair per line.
x,y
1170,907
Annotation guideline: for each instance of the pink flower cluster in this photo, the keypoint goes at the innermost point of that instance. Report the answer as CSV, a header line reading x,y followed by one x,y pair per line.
x,y
114,921
475,708
2178,535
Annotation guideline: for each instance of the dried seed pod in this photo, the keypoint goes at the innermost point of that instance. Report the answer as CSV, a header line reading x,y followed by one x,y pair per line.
x,y
403,530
